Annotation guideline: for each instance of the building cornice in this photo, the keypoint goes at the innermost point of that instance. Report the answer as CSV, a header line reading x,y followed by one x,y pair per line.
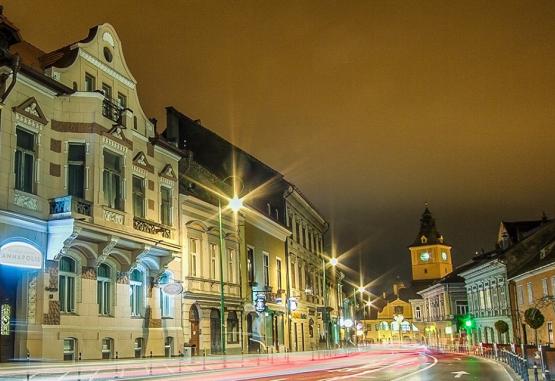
x,y
265,224
536,271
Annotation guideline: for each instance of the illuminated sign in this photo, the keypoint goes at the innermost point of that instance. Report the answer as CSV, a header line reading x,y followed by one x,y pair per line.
x,y
348,323
260,303
292,304
20,254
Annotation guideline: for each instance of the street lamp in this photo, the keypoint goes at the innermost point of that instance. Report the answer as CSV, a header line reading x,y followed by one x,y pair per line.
x,y
333,262
235,204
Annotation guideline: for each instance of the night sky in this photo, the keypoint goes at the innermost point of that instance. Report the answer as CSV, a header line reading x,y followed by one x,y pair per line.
x,y
371,107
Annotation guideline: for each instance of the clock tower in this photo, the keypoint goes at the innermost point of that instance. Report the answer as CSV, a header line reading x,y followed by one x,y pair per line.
x,y
430,254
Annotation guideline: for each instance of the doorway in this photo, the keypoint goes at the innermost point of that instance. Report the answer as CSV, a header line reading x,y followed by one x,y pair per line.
x,y
9,282
194,320
215,331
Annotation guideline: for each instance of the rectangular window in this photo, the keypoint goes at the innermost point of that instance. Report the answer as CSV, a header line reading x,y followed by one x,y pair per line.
x,y
166,206
76,169
278,273
122,100
67,293
530,294
25,155
310,241
107,90
266,269
213,249
549,332
165,304
90,82
304,237
300,272
103,296
231,265
545,287
193,251
136,292
520,295
113,180
139,196
297,232
250,264
553,285
293,275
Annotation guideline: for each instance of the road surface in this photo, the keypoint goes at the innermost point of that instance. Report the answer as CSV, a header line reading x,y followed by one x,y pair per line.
x,y
407,363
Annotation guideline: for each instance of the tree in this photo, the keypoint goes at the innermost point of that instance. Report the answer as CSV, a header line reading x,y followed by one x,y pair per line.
x,y
535,319
502,327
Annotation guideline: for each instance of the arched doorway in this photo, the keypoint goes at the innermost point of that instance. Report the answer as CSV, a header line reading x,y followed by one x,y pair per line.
x,y
194,321
215,331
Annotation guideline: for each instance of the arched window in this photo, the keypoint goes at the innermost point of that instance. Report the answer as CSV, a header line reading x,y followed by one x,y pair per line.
x,y
136,293
418,312
103,289
66,277
166,301
232,328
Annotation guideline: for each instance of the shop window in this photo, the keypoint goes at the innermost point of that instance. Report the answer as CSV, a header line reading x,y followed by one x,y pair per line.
x,y
70,348
66,277
25,156
103,289
136,293
166,301
232,328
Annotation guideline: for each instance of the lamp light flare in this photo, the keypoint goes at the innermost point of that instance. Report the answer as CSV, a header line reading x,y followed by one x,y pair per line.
x,y
333,261
361,289
235,204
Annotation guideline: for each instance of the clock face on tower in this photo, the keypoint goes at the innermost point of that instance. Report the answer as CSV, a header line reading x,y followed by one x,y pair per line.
x,y
444,255
425,256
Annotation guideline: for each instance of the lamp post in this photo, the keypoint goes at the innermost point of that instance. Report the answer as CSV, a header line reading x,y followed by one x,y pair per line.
x,y
235,204
333,262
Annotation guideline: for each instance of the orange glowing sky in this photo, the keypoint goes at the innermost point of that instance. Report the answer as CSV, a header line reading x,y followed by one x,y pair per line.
x,y
371,107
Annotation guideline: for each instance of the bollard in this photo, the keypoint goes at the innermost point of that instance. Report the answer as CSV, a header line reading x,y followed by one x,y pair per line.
x,y
258,357
79,356
204,360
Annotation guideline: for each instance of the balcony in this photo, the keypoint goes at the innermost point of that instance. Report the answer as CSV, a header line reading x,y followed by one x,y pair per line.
x,y
113,111
151,227
66,206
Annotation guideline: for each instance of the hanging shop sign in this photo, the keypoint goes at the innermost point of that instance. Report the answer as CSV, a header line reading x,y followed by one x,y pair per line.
x,y
348,323
173,289
292,304
260,303
20,254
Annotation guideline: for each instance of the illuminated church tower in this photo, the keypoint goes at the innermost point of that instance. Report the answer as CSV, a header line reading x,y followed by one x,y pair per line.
x,y
430,255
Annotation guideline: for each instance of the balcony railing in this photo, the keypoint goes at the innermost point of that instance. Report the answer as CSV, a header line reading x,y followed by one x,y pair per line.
x,y
151,227
112,110
67,205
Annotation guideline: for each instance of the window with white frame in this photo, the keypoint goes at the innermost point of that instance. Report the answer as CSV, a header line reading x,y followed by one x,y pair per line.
x,y
112,178
266,269
530,293
103,289
250,264
136,292
545,288
293,275
231,266
166,301
166,206
520,295
278,273
138,196
66,276
25,156
76,169
194,255
418,312
213,251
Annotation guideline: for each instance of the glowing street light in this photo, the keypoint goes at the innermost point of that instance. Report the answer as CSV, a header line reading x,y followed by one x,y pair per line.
x,y
361,289
333,261
235,204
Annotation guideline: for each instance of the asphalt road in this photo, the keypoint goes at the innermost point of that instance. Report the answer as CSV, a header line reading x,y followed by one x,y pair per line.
x,y
409,363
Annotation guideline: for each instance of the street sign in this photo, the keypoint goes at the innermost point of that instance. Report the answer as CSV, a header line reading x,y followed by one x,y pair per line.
x,y
173,289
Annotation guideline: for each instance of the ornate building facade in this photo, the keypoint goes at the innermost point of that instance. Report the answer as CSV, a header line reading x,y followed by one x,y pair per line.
x,y
87,207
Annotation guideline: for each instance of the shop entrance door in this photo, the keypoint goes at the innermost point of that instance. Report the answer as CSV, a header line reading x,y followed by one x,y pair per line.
x,y
9,277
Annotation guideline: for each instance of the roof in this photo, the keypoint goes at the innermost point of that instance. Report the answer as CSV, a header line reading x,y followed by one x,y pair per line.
x,y
428,230
519,230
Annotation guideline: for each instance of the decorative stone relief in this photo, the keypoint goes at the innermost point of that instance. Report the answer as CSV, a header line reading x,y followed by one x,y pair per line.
x,y
26,200
88,272
52,270
122,277
32,299
67,244
114,217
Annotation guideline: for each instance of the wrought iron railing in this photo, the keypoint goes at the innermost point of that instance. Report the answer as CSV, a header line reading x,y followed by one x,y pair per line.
x,y
151,227
68,205
112,110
